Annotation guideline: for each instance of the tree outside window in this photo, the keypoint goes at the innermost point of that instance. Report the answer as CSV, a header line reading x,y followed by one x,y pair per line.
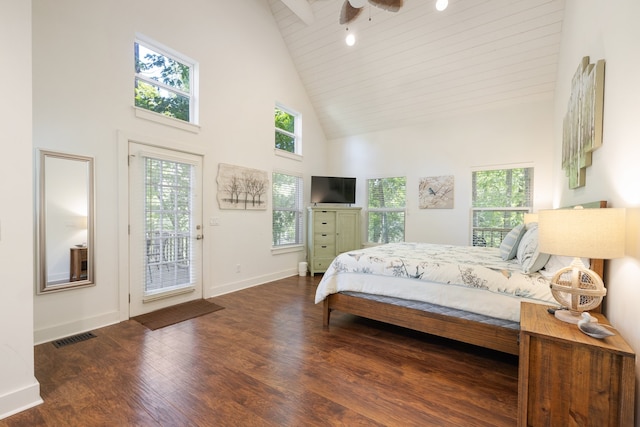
x,y
287,210
287,129
164,84
501,197
386,209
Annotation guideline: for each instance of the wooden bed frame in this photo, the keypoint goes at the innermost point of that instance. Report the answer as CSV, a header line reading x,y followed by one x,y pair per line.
x,y
481,334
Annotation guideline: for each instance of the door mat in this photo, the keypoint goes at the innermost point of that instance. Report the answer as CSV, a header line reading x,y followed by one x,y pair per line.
x,y
176,314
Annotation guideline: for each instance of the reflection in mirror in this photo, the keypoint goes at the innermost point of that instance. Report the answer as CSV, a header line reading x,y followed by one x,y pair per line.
x,y
65,221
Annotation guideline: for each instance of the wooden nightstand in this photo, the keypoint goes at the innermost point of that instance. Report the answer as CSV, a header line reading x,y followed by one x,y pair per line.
x,y
567,378
78,264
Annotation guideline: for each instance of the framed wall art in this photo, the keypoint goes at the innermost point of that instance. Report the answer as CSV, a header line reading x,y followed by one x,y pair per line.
x,y
436,192
242,188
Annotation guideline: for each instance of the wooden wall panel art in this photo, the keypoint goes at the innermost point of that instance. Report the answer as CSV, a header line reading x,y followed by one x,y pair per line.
x,y
582,128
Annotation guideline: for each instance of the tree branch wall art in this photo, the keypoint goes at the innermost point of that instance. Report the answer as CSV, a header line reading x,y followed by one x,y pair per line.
x,y
242,188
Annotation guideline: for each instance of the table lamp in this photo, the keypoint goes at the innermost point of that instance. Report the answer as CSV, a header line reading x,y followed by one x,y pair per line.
x,y
530,218
580,233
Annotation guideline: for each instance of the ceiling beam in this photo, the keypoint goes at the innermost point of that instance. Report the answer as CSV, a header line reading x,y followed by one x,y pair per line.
x,y
302,9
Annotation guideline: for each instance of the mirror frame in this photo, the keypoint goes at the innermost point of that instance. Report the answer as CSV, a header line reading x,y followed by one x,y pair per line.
x,y
43,286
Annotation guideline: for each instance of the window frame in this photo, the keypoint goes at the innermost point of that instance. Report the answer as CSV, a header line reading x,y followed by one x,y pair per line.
x,y
370,210
296,135
502,231
299,210
192,96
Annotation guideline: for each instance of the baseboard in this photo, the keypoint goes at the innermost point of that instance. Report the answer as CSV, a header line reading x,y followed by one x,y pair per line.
x,y
20,400
76,327
249,283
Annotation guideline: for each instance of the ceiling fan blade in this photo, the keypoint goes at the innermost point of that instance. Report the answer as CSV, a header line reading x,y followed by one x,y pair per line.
x,y
390,5
349,13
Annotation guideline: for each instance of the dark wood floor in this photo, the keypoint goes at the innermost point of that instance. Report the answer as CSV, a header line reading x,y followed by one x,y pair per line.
x,y
265,360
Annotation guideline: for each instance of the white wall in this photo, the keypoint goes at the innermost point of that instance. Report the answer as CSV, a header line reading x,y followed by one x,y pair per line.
x,y
609,31
522,134
83,97
18,387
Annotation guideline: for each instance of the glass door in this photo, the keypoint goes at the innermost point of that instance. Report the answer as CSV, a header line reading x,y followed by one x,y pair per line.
x,y
165,228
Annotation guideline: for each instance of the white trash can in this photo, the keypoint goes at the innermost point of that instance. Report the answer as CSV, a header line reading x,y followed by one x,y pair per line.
x,y
302,269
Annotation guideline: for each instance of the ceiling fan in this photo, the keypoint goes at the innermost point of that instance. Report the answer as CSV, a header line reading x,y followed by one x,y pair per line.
x,y
351,9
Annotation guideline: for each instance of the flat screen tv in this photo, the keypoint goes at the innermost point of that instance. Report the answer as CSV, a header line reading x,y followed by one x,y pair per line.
x,y
333,189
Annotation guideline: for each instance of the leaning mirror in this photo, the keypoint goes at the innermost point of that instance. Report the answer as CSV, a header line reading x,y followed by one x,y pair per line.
x,y
64,229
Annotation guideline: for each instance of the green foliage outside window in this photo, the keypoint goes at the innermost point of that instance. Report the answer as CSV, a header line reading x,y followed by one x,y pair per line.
x,y
287,210
285,131
171,96
501,197
386,206
168,203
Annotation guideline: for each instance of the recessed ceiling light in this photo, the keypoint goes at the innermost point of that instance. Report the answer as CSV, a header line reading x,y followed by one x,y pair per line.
x,y
442,4
350,40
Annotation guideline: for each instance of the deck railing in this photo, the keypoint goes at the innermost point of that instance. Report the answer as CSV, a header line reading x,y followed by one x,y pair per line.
x,y
489,237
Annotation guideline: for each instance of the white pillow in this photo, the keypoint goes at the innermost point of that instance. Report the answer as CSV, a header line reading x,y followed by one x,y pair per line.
x,y
557,262
529,257
509,245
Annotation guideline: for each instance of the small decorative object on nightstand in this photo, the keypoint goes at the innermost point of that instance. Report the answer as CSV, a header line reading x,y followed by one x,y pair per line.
x,y
581,233
567,378
590,326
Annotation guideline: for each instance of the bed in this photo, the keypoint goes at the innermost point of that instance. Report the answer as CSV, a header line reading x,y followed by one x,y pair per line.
x,y
465,293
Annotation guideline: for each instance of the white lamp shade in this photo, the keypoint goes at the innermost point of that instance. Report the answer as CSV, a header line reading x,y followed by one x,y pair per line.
x,y
584,233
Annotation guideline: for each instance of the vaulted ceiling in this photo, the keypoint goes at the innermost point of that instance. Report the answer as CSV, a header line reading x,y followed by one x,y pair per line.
x,y
419,65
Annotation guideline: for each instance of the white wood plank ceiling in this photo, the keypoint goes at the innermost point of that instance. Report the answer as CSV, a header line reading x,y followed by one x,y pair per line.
x,y
419,65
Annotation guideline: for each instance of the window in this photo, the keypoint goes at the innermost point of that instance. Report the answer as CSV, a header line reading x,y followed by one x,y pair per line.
x,y
165,81
501,197
287,210
386,209
287,124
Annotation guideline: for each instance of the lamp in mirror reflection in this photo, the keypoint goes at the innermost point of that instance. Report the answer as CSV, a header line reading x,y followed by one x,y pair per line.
x,y
80,222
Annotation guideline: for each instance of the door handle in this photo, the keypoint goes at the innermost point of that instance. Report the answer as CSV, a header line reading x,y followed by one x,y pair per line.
x,y
199,237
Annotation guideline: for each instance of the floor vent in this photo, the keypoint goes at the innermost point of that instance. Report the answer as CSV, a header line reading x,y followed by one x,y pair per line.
x,y
73,339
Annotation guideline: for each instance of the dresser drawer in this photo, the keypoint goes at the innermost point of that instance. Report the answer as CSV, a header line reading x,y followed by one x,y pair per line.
x,y
327,216
321,226
321,264
328,250
324,238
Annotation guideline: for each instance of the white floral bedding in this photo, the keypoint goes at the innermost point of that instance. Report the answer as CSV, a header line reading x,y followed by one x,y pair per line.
x,y
423,264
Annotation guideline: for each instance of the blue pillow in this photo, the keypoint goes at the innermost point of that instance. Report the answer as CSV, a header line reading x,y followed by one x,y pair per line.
x,y
509,245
